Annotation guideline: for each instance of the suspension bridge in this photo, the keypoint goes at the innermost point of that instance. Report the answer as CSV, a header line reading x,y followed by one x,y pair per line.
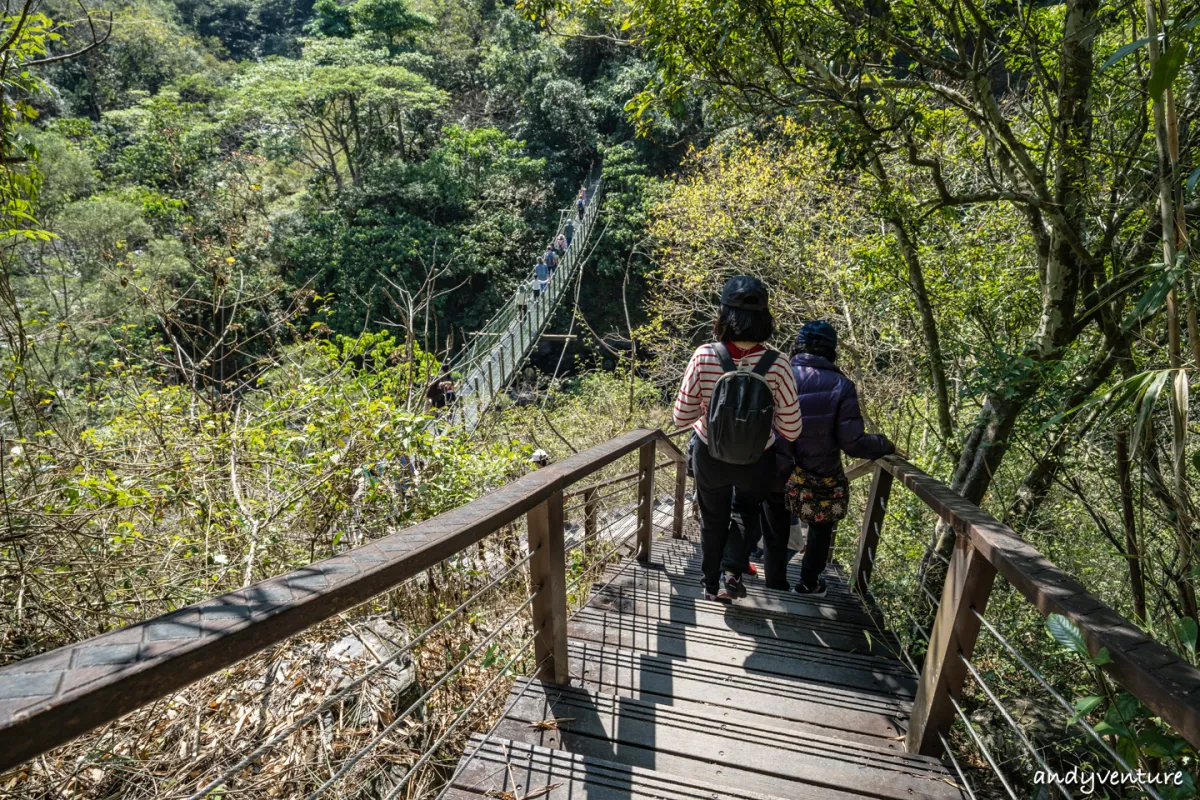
x,y
622,682
492,360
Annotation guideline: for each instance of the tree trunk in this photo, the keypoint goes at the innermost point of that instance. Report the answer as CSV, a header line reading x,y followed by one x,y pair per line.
x,y
1133,554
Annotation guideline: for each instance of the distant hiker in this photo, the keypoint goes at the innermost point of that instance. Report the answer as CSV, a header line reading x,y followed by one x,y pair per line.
x,y
539,459
739,397
542,273
551,259
560,245
817,490
535,289
569,231
436,393
581,202
523,299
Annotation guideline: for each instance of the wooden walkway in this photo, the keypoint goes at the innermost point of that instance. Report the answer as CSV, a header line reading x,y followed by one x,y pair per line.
x,y
672,696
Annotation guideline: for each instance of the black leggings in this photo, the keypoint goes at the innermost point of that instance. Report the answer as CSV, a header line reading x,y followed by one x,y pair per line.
x,y
715,484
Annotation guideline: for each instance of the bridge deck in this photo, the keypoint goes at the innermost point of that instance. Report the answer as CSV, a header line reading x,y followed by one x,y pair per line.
x,y
672,697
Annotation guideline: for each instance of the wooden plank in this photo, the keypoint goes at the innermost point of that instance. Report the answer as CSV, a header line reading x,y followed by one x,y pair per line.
x,y
1160,679
687,572
868,537
547,576
526,770
645,514
50,699
684,741
763,601
662,679
746,655
814,629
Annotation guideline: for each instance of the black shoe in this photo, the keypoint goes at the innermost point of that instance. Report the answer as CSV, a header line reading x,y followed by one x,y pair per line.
x,y
732,586
817,591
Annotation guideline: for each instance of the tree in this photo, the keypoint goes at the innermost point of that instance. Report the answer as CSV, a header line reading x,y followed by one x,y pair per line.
x,y
338,109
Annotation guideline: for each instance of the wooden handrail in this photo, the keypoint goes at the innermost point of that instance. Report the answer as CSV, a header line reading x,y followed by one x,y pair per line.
x,y
51,698
1165,683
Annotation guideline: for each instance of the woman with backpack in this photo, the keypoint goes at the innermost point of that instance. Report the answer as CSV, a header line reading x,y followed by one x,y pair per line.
x,y
739,396
817,490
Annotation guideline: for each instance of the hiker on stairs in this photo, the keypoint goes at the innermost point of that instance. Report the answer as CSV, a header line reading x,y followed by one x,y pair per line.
x,y
739,397
817,490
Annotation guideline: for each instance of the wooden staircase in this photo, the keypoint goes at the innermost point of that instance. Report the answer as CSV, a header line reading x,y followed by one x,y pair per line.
x,y
672,696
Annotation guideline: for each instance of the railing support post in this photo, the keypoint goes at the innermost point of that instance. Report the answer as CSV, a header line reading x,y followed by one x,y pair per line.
x,y
547,570
968,584
680,499
645,508
868,538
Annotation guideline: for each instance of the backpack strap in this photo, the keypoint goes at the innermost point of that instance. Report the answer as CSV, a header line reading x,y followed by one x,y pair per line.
x,y
765,362
726,360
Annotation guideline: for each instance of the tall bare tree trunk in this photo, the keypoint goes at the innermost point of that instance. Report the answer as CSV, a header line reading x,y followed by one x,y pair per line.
x,y
1133,553
1166,134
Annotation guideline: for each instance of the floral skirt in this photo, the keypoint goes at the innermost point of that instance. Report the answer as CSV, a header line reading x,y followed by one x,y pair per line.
x,y
816,498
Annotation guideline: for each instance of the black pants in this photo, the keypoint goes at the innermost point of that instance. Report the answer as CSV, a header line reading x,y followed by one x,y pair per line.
x,y
776,532
816,553
715,484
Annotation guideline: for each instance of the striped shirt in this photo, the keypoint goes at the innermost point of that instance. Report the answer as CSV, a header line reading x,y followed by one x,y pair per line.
x,y
691,405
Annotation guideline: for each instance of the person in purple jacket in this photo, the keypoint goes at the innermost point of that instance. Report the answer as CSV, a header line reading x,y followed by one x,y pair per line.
x,y
833,424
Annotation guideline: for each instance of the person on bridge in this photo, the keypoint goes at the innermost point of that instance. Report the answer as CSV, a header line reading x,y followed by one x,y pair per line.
x,y
560,245
541,272
551,258
817,490
568,232
581,201
739,397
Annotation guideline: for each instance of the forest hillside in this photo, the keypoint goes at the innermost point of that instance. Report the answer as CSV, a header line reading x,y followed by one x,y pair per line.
x,y
244,239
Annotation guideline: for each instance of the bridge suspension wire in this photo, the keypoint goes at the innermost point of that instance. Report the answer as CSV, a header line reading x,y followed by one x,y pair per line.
x,y
342,693
1063,702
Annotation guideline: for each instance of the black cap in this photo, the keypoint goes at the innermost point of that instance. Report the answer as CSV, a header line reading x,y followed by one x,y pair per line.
x,y
817,337
745,292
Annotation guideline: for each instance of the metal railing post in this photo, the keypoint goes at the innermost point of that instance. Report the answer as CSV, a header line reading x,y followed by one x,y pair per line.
x,y
968,584
645,507
868,538
547,576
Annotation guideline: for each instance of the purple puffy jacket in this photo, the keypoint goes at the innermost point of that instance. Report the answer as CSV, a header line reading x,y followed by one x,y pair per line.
x,y
831,420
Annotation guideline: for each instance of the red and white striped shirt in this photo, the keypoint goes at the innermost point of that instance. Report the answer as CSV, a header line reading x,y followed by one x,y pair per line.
x,y
691,404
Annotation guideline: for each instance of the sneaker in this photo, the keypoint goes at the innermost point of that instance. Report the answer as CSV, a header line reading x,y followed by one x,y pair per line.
x,y
718,597
817,591
758,554
732,586
753,570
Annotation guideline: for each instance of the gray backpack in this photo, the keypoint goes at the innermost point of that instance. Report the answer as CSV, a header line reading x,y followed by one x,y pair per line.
x,y
741,410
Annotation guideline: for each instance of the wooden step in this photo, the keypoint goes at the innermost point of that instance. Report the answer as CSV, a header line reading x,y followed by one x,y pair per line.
x,y
656,578
820,625
689,569
690,742
840,711
524,770
685,554
754,655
